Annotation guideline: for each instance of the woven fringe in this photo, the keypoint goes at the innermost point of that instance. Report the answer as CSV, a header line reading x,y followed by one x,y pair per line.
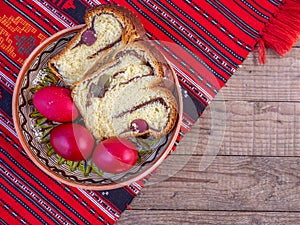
x,y
282,31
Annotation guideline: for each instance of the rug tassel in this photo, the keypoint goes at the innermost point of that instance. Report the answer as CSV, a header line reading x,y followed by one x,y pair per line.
x,y
282,31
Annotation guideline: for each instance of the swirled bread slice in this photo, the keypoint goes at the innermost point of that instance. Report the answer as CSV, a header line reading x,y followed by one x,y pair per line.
x,y
108,27
130,96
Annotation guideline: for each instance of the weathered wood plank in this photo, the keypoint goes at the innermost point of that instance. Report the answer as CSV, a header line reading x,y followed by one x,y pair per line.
x,y
250,128
167,217
229,183
277,80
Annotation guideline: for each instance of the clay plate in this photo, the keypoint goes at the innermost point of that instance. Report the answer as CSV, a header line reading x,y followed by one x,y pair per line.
x,y
37,151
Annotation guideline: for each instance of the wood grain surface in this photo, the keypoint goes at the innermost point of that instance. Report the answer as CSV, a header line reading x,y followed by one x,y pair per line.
x,y
241,171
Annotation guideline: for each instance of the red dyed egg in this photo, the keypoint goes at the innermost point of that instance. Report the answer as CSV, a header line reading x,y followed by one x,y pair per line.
x,y
55,103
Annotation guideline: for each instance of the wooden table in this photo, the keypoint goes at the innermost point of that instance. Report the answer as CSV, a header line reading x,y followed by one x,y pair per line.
x,y
253,177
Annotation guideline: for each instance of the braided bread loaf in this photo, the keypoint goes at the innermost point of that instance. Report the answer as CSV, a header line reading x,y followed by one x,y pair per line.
x,y
130,96
108,27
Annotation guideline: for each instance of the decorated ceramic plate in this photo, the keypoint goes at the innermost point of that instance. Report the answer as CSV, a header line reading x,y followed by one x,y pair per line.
x,y
33,128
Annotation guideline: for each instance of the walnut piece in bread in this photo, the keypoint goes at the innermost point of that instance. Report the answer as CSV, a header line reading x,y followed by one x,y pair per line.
x,y
108,28
128,95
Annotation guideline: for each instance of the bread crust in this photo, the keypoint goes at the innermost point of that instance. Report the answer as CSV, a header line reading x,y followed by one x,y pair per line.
x,y
136,31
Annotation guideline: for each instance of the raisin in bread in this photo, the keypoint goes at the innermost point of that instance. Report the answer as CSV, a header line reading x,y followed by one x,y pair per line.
x,y
108,27
130,96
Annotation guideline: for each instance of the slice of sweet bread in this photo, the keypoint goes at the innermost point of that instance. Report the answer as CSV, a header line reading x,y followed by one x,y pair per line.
x,y
130,96
108,27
